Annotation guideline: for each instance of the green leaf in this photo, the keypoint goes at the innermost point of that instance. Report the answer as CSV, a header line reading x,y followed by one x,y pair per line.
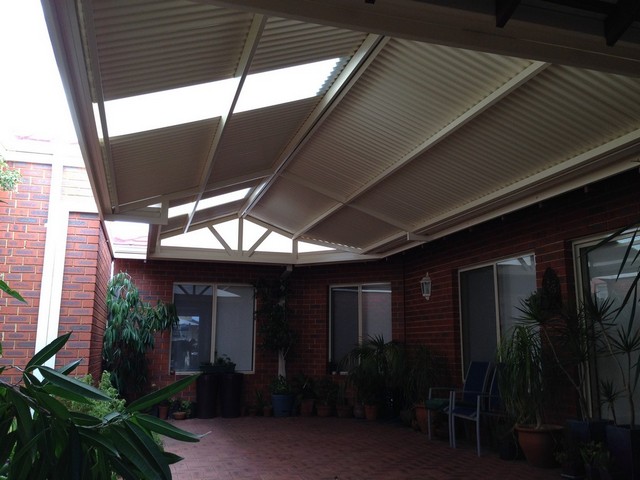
x,y
131,451
153,453
154,424
172,458
156,397
51,404
7,289
97,440
71,386
84,419
68,368
47,352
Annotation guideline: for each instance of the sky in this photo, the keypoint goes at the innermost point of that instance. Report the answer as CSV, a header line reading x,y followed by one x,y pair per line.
x,y
32,101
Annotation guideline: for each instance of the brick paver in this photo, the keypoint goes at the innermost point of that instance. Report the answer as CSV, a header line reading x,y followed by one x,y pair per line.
x,y
311,448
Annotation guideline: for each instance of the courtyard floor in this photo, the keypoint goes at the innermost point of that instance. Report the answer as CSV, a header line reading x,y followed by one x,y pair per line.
x,y
312,448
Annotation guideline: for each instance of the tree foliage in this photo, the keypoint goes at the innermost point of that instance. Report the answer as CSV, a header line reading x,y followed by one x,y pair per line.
x,y
129,334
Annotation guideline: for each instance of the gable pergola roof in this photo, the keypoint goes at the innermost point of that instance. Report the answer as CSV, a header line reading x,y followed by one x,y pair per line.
x,y
440,116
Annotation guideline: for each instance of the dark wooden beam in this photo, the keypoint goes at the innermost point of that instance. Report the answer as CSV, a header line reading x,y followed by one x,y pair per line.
x,y
504,10
620,19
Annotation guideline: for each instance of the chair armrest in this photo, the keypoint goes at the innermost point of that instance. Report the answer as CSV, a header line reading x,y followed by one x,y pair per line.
x,y
440,389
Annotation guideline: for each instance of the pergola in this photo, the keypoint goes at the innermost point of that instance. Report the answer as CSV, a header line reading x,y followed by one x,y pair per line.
x,y
431,117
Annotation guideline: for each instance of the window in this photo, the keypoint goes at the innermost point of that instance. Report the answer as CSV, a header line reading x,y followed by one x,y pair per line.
x,y
598,274
210,325
489,299
357,312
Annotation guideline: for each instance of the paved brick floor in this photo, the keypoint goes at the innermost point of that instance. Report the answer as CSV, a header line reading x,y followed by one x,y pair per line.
x,y
312,448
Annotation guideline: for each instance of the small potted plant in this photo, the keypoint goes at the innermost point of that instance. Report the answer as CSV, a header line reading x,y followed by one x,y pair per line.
x,y
326,391
282,397
222,364
343,409
181,409
304,388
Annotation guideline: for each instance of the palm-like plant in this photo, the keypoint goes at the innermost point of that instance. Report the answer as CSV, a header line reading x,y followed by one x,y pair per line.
x,y
375,368
45,437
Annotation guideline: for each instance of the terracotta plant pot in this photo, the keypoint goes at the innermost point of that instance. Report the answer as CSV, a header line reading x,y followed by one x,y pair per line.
x,y
163,412
179,415
421,417
371,412
306,407
323,410
539,444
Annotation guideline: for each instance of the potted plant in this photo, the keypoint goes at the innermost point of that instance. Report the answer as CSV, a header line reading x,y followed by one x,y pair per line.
x,y
569,335
374,368
616,319
273,315
326,393
221,364
130,334
596,459
304,388
282,397
525,390
343,409
424,371
181,408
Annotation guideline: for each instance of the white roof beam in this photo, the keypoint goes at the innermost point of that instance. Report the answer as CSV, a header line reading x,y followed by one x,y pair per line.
x,y
250,46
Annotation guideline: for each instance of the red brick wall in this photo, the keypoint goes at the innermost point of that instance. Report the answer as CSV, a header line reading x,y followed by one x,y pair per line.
x,y
83,293
99,320
22,247
23,219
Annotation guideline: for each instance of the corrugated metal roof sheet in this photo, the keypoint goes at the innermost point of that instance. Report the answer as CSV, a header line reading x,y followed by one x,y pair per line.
x,y
146,46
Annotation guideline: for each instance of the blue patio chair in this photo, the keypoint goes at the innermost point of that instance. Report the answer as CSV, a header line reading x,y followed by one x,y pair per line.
x,y
474,404
475,381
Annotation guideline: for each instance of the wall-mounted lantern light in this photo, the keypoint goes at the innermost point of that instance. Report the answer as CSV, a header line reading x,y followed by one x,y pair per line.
x,y
425,286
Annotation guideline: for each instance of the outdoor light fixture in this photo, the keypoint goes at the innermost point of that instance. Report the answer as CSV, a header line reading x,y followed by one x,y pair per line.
x,y
425,286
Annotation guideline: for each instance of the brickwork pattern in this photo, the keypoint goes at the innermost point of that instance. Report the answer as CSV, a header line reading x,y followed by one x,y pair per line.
x,y
312,448
23,219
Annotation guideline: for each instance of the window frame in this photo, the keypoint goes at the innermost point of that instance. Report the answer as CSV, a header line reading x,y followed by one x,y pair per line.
x,y
214,324
360,286
496,299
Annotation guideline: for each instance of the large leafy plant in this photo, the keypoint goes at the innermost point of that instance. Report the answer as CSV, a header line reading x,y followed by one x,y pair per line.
x,y
129,334
42,438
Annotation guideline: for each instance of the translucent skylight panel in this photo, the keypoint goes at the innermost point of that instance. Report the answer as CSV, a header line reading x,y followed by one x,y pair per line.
x,y
201,238
229,232
208,202
209,100
168,108
284,85
251,233
276,243
304,247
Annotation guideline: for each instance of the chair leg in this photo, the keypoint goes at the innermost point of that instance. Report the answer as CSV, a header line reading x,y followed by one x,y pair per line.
x,y
478,434
452,432
429,423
